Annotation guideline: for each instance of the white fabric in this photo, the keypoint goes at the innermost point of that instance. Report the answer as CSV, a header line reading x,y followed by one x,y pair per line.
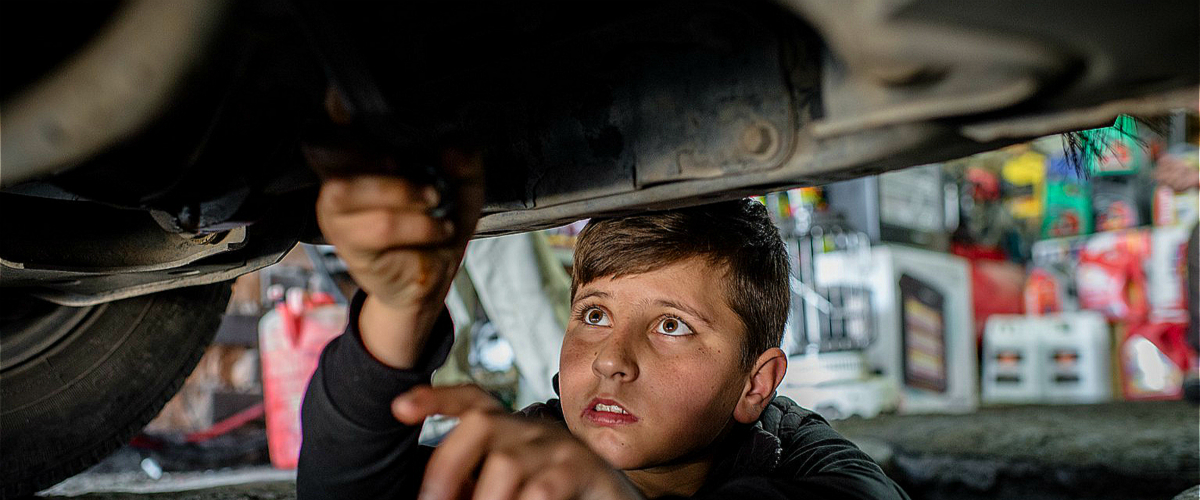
x,y
509,281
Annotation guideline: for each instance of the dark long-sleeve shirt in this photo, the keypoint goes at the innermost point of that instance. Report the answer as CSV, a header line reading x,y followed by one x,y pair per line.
x,y
354,448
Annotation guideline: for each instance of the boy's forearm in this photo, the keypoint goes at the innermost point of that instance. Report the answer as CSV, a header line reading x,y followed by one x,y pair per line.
x,y
396,336
349,458
353,447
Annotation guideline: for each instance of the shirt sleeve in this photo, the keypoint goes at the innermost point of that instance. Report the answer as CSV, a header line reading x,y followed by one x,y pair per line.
x,y
352,446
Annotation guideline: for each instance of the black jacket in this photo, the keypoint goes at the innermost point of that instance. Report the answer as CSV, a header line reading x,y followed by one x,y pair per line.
x,y
354,448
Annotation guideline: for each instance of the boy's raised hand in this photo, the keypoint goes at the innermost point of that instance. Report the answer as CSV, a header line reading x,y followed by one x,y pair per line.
x,y
495,456
401,256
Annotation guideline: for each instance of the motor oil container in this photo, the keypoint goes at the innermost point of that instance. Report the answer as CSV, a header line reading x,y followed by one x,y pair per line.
x,y
1076,351
291,338
1011,371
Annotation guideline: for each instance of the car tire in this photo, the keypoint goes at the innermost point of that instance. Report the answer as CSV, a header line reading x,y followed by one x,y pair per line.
x,y
77,383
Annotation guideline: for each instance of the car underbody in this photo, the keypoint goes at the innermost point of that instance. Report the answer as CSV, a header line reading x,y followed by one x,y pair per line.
x,y
153,145
178,153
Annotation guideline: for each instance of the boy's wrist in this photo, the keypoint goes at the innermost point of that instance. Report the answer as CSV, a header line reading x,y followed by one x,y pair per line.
x,y
396,336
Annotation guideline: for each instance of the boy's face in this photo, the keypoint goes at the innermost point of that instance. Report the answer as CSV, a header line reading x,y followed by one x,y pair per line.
x,y
663,347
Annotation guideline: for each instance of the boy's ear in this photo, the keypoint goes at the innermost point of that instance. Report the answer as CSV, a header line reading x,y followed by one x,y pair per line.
x,y
765,375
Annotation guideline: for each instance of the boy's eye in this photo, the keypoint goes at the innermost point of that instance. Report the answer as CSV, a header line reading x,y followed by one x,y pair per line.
x,y
673,327
595,316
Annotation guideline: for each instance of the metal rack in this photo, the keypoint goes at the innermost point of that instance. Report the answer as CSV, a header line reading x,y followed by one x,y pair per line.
x,y
823,318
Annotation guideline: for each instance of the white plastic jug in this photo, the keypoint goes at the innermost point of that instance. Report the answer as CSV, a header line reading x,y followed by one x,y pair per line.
x,y
1011,371
1077,352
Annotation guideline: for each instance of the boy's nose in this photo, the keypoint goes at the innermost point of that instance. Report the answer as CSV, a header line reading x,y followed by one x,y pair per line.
x,y
615,359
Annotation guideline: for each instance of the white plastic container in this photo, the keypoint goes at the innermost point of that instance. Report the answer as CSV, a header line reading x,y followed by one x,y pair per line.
x,y
1011,360
1077,352
838,400
1058,358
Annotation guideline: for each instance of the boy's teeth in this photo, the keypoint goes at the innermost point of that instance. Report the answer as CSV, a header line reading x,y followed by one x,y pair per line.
x,y
609,408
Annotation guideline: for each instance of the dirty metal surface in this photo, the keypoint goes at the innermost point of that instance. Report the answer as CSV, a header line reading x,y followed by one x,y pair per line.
x,y
105,254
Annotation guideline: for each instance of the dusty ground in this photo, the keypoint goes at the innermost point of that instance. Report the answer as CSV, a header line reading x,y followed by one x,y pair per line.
x,y
256,482
254,491
1122,451
1126,451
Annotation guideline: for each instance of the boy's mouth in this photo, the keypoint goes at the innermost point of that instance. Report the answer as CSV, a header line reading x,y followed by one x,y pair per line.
x,y
607,412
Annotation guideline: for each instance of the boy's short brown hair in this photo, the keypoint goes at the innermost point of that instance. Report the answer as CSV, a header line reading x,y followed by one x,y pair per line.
x,y
737,235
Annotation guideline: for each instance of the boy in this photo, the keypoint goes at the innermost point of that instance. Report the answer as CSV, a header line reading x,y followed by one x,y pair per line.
x,y
667,374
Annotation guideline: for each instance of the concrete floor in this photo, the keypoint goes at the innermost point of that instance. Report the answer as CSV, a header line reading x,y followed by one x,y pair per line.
x,y
251,491
1125,451
259,482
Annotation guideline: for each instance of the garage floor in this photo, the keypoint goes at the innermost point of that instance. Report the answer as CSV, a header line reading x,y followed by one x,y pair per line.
x,y
1124,451
260,483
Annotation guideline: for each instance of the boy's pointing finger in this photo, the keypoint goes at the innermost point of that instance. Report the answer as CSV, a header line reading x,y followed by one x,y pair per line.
x,y
458,457
420,402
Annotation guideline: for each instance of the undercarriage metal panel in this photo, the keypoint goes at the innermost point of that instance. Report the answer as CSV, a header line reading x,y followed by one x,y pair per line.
x,y
886,84
900,61
630,96
103,256
822,161
582,109
87,237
